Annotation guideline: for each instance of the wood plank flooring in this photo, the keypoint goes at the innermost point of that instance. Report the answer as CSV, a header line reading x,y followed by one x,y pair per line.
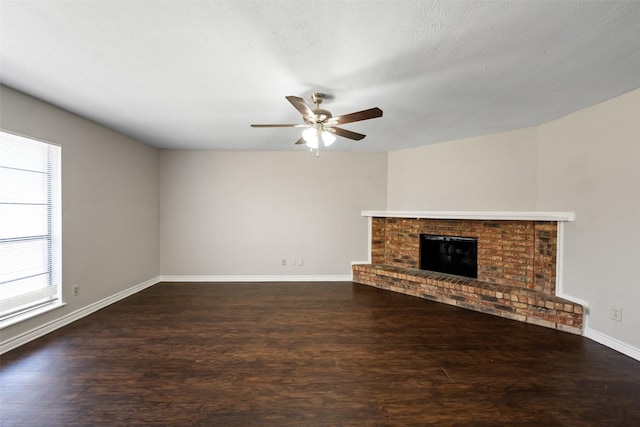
x,y
310,354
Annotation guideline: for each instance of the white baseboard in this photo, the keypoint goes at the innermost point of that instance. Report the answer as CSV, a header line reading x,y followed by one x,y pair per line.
x,y
613,343
234,278
599,337
51,326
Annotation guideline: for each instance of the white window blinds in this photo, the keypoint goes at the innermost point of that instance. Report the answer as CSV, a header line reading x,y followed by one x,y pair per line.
x,y
29,224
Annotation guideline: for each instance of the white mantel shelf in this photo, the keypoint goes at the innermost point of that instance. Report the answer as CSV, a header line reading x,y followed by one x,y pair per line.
x,y
478,215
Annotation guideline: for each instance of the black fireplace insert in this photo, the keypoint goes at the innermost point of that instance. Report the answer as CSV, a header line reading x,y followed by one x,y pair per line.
x,y
449,254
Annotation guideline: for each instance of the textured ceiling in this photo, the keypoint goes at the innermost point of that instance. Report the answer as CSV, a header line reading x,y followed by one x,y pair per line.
x,y
195,74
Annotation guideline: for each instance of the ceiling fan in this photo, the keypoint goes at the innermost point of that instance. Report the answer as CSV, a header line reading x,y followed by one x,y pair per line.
x,y
321,124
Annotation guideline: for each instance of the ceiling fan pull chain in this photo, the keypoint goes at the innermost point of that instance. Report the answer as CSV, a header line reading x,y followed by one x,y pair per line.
x,y
319,139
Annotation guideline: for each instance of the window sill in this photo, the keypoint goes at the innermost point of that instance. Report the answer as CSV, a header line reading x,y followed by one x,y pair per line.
x,y
30,314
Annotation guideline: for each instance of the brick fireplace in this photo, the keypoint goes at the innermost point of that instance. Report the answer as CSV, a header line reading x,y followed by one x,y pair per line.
x,y
517,261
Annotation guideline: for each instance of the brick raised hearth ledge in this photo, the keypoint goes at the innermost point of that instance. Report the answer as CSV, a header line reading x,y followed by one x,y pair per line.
x,y
519,257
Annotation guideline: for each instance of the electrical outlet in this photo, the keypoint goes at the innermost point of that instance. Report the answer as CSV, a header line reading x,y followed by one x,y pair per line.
x,y
616,313
76,290
301,263
283,262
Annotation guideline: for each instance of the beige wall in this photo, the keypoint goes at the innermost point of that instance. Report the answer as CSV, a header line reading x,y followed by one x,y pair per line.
x,y
240,213
110,198
494,172
586,162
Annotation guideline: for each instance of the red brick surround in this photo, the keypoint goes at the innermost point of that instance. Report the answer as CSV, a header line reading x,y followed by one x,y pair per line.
x,y
516,268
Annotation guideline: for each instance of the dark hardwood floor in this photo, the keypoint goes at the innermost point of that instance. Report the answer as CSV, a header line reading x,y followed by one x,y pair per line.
x,y
310,354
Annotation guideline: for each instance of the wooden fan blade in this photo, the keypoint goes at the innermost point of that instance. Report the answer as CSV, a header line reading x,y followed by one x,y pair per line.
x,y
301,140
280,126
299,104
346,133
371,113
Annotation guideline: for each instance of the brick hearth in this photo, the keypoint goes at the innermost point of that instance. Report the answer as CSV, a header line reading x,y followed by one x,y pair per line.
x,y
516,268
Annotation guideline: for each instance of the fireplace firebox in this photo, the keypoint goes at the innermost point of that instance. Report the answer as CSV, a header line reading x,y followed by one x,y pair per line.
x,y
449,254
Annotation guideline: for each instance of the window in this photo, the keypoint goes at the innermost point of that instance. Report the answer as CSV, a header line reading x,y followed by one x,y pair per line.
x,y
30,247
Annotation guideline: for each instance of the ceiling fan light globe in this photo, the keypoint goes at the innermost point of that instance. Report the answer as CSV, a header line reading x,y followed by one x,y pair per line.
x,y
311,136
328,138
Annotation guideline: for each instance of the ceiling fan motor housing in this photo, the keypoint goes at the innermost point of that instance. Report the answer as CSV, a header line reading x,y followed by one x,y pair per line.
x,y
321,115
